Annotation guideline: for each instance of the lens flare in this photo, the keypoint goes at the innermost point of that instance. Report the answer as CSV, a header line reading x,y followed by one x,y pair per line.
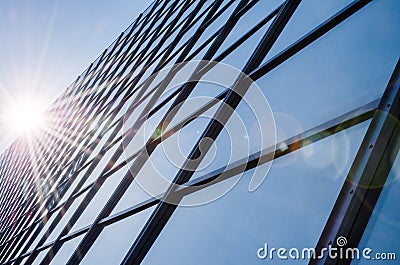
x,y
286,126
24,117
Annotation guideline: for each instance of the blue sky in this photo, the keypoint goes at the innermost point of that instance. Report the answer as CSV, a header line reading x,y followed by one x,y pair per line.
x,y
46,44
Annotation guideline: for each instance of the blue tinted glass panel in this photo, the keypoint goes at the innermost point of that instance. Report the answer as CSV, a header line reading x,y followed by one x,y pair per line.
x,y
108,250
334,74
289,209
65,219
66,250
308,15
383,229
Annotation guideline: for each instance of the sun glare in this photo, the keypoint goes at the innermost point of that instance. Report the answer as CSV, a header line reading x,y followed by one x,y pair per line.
x,y
24,117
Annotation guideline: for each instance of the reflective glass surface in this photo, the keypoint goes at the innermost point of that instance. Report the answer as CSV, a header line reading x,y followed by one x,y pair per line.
x,y
87,148
125,230
288,210
383,229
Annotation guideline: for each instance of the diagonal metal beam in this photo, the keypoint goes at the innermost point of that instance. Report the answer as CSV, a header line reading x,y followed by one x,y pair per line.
x,y
164,211
294,143
366,177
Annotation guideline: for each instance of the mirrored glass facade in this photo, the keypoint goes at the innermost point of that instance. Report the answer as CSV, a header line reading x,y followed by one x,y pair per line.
x,y
87,189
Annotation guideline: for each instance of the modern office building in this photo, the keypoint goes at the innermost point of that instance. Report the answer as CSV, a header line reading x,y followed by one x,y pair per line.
x,y
296,149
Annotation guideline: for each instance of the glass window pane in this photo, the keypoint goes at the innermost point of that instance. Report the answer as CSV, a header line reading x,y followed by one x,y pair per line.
x,y
43,230
289,209
65,219
251,18
344,69
97,203
108,250
383,229
307,16
239,57
39,257
66,251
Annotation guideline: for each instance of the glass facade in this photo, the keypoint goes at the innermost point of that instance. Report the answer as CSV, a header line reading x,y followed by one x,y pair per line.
x,y
313,166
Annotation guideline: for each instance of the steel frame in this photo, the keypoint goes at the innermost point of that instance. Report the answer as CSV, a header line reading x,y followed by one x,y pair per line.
x,y
367,175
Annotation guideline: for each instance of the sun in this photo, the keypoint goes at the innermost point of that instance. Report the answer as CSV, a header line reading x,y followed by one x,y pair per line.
x,y
24,117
